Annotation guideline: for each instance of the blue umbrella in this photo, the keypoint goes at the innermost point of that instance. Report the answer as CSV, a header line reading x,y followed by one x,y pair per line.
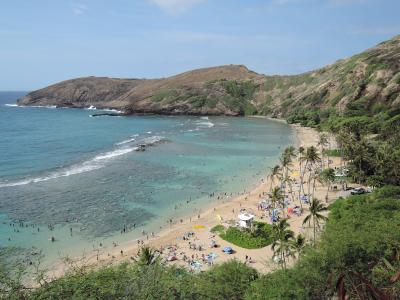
x,y
228,250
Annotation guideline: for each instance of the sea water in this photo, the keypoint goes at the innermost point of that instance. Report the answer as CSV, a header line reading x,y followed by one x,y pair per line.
x,y
78,178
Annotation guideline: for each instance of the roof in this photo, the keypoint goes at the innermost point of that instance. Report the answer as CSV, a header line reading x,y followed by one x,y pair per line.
x,y
245,217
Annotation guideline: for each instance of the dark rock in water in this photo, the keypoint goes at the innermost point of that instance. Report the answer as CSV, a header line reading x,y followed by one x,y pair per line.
x,y
108,114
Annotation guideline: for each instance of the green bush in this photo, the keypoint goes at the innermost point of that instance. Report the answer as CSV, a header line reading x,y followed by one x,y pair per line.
x,y
228,280
261,237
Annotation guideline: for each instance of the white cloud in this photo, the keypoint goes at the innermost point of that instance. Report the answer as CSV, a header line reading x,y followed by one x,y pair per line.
x,y
347,2
79,9
175,7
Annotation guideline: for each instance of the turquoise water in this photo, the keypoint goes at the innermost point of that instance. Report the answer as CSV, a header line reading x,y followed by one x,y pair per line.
x,y
63,169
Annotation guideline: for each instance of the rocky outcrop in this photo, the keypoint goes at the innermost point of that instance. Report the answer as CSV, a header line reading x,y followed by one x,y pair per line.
x,y
181,94
370,79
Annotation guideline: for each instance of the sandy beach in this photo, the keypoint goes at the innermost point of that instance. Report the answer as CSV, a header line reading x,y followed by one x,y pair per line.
x,y
170,239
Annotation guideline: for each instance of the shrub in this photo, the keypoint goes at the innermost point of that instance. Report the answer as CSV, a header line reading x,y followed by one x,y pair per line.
x,y
246,239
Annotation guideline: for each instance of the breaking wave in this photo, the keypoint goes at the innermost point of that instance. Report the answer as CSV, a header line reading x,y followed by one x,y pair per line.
x,y
97,162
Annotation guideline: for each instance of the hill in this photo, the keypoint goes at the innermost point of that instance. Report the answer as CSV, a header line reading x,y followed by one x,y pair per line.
x,y
363,84
191,92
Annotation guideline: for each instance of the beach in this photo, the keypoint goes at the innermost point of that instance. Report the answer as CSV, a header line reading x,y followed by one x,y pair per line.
x,y
173,239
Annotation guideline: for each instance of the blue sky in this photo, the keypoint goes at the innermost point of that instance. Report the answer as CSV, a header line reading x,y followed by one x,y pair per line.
x,y
43,42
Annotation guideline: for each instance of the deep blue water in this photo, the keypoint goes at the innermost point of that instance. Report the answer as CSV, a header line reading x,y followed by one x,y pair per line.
x,y
64,168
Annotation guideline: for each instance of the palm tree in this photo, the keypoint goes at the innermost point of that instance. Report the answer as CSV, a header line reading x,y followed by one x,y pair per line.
x,y
323,141
298,244
343,139
276,196
316,208
286,162
301,152
327,176
147,256
311,158
283,237
275,173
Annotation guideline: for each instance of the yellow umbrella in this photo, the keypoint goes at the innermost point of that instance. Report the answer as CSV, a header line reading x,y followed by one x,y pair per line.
x,y
198,226
295,174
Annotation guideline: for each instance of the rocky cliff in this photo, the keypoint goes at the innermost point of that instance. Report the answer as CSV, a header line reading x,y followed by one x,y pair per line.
x,y
370,80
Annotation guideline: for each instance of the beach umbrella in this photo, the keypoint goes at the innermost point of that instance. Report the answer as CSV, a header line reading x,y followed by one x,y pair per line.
x,y
228,249
198,226
295,174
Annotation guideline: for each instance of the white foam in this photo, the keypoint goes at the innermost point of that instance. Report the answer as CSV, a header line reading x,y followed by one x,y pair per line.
x,y
126,141
149,132
91,107
75,169
114,153
95,163
111,110
11,105
205,124
204,118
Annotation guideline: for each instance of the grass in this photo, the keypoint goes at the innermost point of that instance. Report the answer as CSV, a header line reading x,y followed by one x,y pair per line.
x,y
218,229
333,152
261,237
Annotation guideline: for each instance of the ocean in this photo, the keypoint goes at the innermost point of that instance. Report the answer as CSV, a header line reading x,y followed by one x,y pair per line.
x,y
79,179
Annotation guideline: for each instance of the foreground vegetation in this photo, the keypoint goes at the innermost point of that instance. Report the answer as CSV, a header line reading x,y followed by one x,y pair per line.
x,y
358,255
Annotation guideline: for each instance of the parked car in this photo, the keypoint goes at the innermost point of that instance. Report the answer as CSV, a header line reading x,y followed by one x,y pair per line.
x,y
358,191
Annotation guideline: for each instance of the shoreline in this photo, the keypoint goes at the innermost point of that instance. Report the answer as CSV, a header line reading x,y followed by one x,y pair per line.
x,y
210,214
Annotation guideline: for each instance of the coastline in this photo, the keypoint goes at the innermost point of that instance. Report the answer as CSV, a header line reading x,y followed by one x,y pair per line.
x,y
211,214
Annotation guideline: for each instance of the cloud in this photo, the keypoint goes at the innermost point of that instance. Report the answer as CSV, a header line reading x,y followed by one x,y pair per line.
x,y
175,7
347,2
79,9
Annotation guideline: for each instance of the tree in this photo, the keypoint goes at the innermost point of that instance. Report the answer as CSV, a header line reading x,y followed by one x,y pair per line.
x,y
312,158
275,173
316,208
276,196
323,141
283,237
147,256
302,159
298,244
327,176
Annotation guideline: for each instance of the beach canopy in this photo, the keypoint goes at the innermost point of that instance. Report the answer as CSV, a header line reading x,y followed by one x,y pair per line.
x,y
304,198
295,174
198,226
228,250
